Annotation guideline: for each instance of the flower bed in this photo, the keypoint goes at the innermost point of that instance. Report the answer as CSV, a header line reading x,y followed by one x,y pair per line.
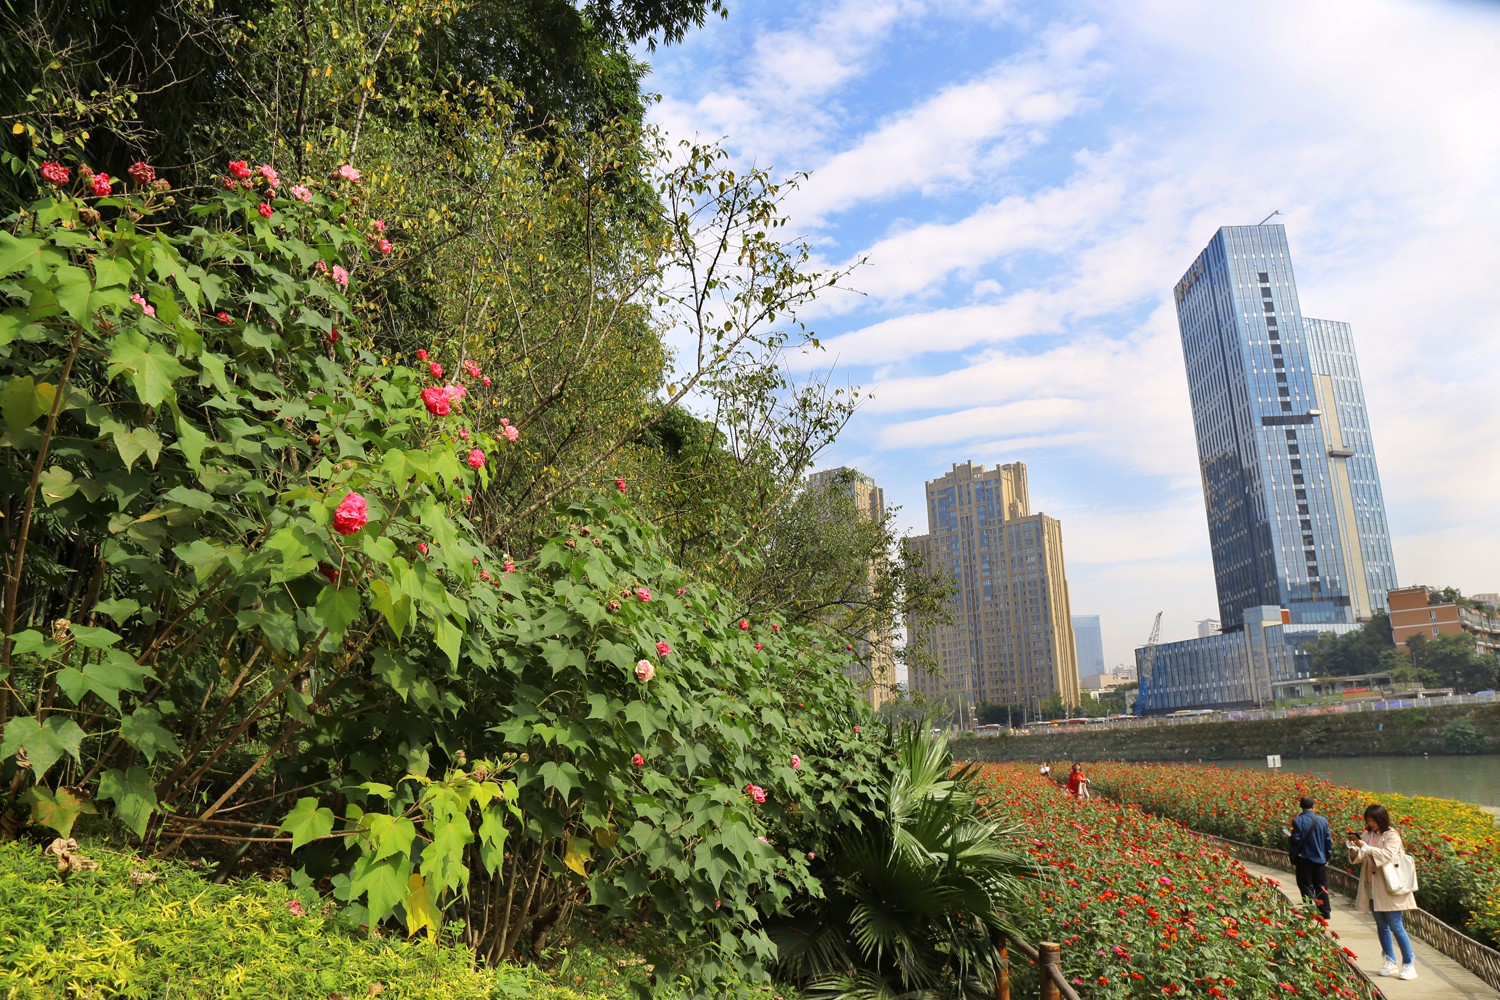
x,y
1454,844
1142,909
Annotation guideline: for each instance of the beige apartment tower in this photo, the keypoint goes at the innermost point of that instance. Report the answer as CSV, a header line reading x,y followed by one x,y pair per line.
x,y
1011,641
873,665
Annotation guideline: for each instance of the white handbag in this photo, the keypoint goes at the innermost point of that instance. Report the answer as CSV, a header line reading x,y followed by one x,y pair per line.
x,y
1400,875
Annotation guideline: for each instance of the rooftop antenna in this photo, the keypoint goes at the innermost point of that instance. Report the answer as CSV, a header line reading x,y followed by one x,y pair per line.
x,y
1268,218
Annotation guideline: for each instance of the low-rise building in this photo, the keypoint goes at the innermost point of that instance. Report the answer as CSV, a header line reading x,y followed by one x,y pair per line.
x,y
1421,611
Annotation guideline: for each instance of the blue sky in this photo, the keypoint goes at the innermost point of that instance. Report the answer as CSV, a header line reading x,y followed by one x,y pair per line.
x,y
1028,181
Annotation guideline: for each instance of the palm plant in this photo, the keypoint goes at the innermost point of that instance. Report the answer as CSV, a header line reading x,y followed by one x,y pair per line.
x,y
914,899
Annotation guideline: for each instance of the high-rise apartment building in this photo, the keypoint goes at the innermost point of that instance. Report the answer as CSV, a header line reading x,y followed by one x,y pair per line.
x,y
1011,641
1295,514
1089,640
874,665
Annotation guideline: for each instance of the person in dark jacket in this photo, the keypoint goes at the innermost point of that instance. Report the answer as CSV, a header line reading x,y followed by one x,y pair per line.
x,y
1310,843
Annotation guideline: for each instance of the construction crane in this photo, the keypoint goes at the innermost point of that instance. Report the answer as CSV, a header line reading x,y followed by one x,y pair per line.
x,y
1148,658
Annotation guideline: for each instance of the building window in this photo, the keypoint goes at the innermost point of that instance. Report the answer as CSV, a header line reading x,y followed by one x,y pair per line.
x,y
1434,630
1307,540
1268,306
1296,462
1293,449
1298,480
1276,349
1286,406
1263,276
1306,524
1277,361
1432,616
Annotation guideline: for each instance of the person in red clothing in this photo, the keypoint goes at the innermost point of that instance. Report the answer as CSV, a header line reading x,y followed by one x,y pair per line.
x,y
1078,782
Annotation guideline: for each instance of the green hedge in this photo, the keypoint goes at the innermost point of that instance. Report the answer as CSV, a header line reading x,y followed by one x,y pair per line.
x,y
133,928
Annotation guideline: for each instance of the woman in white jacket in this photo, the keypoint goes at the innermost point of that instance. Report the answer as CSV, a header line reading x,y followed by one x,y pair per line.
x,y
1379,845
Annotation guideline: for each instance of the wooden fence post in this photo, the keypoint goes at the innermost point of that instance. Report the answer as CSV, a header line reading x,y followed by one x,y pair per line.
x,y
1051,961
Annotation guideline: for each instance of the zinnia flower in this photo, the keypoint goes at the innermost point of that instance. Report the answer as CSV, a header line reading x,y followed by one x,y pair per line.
x,y
455,392
301,193
273,179
348,173
644,671
100,186
436,400
239,168
662,648
384,246
421,354
757,794
643,594
351,515
265,210
436,370
340,276
476,459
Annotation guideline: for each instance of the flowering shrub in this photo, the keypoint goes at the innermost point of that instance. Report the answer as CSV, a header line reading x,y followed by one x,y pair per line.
x,y
1454,845
1142,909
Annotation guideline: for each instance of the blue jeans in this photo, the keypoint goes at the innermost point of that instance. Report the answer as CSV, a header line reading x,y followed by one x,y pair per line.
x,y
1388,924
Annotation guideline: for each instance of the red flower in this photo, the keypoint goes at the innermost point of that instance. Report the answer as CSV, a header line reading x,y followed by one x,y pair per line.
x,y
620,485
100,186
638,760
435,398
333,335
744,625
141,173
476,459
223,317
351,515
265,210
239,169
55,173
436,370
421,354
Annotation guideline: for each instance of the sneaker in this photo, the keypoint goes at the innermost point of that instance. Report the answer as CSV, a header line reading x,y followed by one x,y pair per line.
x,y
1408,972
1388,969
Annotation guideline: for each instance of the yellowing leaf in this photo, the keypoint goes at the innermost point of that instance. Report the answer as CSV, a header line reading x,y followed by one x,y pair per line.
x,y
421,912
17,129
577,858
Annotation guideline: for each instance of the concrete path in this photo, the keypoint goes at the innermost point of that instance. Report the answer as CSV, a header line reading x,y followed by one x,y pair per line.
x,y
1438,976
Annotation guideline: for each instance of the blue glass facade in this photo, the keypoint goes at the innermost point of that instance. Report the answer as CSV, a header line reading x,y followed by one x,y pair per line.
x,y
1289,481
1090,641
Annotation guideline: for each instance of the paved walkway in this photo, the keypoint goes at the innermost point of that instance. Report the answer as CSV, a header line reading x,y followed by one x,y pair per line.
x,y
1438,976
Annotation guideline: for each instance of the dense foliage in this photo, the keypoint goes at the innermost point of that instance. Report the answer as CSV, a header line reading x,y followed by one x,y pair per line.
x,y
1454,845
1142,908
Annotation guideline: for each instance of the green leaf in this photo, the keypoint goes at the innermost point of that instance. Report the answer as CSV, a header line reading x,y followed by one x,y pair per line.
x,y
203,557
121,609
396,610
29,641
151,367
383,883
560,776
132,793
307,822
57,485
93,637
58,810
142,729
18,254
118,672
337,608
74,285
20,404
44,743
448,636
138,442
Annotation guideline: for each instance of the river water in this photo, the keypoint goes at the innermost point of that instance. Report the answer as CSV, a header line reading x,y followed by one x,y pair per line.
x,y
1475,779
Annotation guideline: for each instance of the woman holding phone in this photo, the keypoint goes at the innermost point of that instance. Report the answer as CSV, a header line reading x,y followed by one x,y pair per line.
x,y
1380,844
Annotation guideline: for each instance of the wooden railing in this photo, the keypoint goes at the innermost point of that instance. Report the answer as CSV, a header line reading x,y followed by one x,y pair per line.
x,y
1048,960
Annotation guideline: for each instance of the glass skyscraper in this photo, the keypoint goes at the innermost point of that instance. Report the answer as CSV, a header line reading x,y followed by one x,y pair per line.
x,y
1295,514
